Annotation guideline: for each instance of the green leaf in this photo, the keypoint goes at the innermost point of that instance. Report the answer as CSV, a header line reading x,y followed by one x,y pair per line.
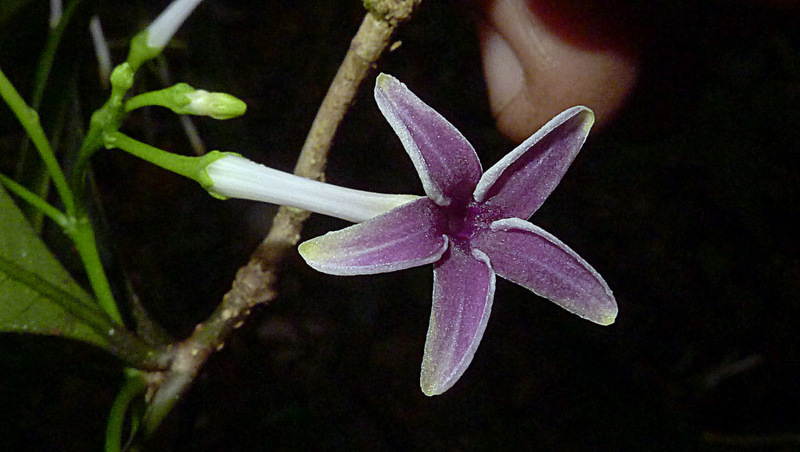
x,y
37,295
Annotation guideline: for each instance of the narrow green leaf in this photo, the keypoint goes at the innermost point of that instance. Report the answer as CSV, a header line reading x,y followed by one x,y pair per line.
x,y
37,295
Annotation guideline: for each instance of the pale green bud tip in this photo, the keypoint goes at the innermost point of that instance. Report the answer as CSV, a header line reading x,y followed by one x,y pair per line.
x,y
167,23
608,317
382,80
185,100
215,105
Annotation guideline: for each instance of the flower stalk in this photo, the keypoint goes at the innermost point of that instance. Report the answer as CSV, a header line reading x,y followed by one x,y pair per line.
x,y
255,282
191,167
229,175
29,119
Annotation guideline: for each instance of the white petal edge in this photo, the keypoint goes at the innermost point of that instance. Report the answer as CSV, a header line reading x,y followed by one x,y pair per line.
x,y
507,224
492,174
310,253
459,369
432,189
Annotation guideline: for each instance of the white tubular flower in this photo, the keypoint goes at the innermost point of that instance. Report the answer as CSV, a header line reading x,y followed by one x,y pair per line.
x,y
56,11
233,176
100,49
161,30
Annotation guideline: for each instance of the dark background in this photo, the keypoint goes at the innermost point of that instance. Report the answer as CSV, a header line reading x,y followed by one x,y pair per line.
x,y
685,203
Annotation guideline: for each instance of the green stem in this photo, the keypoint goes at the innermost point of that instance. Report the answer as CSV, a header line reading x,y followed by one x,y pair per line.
x,y
35,201
86,244
109,117
30,122
37,175
49,54
191,167
133,387
106,119
255,283
82,234
151,98
140,52
92,141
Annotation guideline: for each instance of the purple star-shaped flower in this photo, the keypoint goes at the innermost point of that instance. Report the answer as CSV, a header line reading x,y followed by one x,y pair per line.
x,y
471,226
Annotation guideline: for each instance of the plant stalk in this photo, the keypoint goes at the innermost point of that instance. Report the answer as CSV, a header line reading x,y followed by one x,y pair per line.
x,y
255,283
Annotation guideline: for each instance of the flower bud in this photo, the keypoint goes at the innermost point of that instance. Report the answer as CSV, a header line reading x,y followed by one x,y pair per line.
x,y
183,99
215,105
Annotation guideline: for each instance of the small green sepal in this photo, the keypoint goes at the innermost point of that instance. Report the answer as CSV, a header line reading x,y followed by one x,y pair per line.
x,y
140,52
203,178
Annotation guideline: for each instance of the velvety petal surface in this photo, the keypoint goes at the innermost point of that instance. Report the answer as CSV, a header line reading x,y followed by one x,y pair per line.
x,y
463,290
401,238
521,181
531,257
446,162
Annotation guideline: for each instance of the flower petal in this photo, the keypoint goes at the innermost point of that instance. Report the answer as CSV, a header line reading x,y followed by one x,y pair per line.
x,y
463,290
401,238
531,257
520,182
446,162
